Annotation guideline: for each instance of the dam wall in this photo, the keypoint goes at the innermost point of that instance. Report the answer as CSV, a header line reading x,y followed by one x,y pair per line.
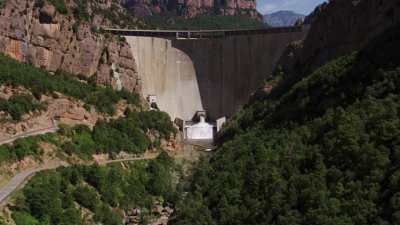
x,y
217,75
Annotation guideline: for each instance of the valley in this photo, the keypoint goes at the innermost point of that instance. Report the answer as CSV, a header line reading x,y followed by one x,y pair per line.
x,y
118,112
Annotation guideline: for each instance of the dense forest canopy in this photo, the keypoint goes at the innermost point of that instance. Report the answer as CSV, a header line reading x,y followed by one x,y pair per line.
x,y
56,197
325,150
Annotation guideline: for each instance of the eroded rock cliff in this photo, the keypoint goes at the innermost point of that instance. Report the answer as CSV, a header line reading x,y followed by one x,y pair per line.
x,y
335,29
191,8
37,32
341,27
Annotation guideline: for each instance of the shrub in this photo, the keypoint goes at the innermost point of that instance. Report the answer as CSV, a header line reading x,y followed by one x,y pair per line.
x,y
18,105
23,218
153,120
80,11
60,5
86,197
81,142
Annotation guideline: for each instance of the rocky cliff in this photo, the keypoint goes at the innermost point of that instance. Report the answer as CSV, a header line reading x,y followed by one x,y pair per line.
x,y
191,8
57,35
336,28
342,26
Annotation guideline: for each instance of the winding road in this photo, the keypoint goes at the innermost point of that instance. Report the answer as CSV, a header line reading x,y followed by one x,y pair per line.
x,y
54,128
19,179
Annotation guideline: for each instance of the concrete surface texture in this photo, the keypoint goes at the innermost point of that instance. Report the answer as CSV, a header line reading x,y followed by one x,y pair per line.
x,y
200,131
217,75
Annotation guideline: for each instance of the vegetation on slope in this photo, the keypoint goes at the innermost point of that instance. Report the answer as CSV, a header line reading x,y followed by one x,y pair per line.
x,y
324,151
166,21
18,105
58,4
24,147
41,82
128,134
56,197
84,11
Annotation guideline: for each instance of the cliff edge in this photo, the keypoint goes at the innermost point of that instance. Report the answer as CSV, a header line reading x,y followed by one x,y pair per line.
x,y
55,35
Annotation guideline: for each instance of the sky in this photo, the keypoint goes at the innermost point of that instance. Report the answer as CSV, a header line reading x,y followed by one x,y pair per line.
x,y
299,6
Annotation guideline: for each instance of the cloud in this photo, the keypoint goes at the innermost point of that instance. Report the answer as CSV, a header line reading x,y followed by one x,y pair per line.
x,y
301,6
266,8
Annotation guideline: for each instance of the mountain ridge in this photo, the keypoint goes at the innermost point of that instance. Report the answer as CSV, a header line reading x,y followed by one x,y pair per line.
x,y
282,18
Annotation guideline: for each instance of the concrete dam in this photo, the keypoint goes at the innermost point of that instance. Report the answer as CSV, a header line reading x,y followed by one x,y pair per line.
x,y
212,71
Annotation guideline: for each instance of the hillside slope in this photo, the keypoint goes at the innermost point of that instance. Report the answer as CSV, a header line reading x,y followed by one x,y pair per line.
x,y
91,120
323,151
341,27
337,28
121,193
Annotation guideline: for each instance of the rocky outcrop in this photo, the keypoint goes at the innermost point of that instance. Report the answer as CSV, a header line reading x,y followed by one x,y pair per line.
x,y
64,109
337,28
342,26
160,215
191,8
43,36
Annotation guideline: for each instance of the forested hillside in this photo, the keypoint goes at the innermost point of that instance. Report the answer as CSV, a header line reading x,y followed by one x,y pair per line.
x,y
110,135
97,194
324,150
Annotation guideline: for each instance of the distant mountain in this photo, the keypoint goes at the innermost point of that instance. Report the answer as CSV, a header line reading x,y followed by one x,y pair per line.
x,y
282,18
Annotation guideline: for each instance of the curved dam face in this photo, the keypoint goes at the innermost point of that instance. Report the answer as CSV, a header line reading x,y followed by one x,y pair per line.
x,y
216,75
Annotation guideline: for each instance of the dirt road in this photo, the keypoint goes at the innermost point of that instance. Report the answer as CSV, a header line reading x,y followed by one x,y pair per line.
x,y
52,129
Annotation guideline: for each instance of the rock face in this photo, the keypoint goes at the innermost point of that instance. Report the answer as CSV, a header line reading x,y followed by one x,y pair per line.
x,y
191,8
342,26
42,36
338,28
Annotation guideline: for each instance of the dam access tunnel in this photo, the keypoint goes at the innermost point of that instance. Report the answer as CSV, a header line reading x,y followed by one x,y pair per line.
x,y
212,71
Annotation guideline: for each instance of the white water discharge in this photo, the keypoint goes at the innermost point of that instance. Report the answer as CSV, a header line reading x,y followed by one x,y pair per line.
x,y
200,131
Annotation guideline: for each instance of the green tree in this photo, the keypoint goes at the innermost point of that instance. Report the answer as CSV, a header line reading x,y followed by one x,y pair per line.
x,y
86,197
